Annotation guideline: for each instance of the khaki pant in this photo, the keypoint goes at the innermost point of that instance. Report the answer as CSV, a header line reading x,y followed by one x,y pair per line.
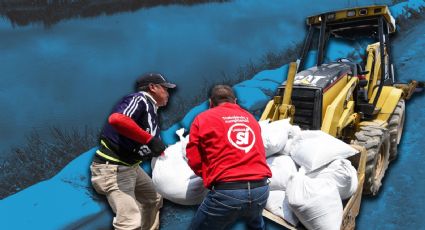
x,y
130,193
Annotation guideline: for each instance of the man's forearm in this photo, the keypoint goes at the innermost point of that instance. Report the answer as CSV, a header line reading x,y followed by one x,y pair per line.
x,y
127,127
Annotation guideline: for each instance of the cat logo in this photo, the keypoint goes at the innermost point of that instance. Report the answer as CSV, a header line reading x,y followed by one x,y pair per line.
x,y
241,136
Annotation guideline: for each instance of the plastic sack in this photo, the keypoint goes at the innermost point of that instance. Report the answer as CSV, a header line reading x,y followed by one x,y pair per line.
x,y
282,168
274,135
277,203
342,173
293,138
315,202
174,179
314,149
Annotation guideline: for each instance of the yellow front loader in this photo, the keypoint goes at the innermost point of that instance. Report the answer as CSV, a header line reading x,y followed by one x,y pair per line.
x,y
361,105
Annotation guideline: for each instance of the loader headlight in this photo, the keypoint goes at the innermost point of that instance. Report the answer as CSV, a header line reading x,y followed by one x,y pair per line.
x,y
363,11
351,13
377,10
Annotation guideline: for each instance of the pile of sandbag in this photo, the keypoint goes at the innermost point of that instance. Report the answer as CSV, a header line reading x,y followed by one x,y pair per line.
x,y
174,179
311,176
310,179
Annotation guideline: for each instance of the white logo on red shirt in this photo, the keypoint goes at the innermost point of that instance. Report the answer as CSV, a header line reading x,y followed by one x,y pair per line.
x,y
241,136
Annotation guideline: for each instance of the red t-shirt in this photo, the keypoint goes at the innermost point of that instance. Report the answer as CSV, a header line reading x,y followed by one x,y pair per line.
x,y
225,145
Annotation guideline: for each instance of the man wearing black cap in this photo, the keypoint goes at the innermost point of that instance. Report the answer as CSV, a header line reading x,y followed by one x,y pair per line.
x,y
130,136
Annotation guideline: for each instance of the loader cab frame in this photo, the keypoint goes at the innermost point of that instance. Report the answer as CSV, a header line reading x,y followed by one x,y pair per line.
x,y
375,22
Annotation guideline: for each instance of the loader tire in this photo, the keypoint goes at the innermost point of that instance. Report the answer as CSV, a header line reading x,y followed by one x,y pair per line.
x,y
395,126
376,140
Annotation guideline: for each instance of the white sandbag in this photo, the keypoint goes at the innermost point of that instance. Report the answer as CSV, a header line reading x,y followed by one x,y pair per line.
x,y
275,135
294,135
282,168
184,140
277,203
315,202
342,173
174,179
314,149
263,123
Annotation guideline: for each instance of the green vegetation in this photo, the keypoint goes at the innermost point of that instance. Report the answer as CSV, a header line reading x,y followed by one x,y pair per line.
x,y
179,106
40,159
410,18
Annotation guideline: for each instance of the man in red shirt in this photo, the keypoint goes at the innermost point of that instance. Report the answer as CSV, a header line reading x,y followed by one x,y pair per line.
x,y
225,149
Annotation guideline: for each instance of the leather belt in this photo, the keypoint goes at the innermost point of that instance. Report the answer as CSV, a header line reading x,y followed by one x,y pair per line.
x,y
240,184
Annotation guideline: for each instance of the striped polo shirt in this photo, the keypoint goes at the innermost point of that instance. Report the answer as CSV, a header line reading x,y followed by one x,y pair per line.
x,y
141,107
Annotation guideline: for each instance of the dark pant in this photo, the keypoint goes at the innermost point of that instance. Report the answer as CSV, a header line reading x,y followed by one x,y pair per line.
x,y
221,208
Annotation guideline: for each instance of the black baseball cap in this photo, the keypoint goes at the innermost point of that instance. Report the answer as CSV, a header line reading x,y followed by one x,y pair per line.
x,y
153,78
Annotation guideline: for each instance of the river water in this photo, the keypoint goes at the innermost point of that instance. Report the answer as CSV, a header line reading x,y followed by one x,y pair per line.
x,y
70,73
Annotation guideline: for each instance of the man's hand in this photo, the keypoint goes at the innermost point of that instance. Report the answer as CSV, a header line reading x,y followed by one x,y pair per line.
x,y
156,146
